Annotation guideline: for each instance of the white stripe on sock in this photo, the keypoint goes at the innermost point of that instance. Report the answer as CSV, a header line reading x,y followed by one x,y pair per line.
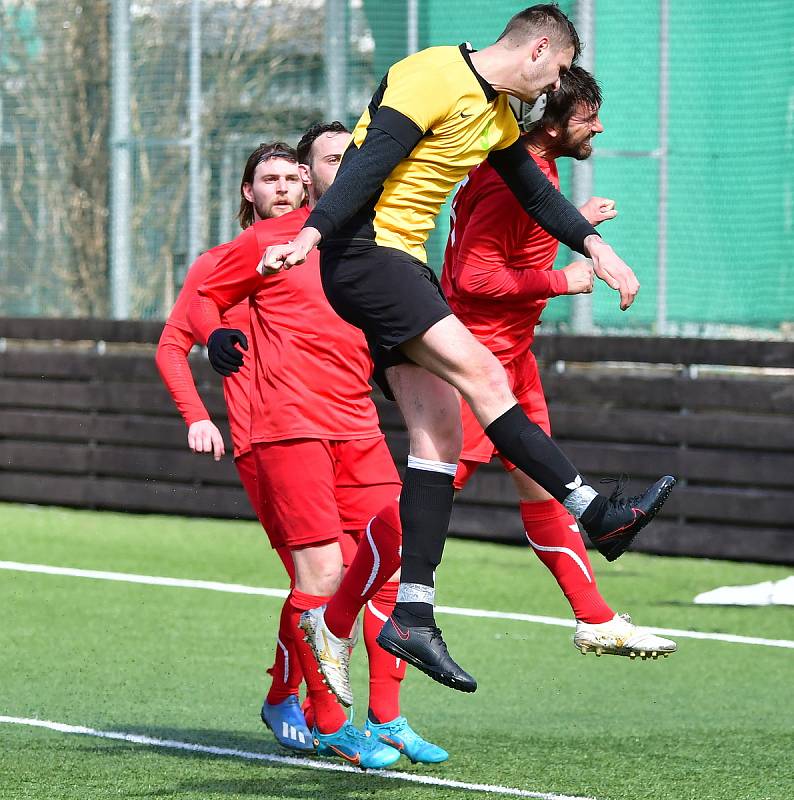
x,y
286,658
379,614
375,558
567,550
432,466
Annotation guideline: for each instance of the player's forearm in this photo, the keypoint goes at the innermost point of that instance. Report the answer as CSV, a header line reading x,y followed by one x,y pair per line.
x,y
595,246
539,198
174,369
390,138
203,316
506,283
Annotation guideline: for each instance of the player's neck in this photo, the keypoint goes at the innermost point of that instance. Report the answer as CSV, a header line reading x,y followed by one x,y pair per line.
x,y
541,149
494,67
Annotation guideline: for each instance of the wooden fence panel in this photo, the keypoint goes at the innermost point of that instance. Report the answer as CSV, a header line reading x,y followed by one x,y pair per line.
x,y
91,426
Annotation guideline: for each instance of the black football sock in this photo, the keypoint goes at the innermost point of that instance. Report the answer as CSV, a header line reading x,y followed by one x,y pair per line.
x,y
594,513
529,447
425,508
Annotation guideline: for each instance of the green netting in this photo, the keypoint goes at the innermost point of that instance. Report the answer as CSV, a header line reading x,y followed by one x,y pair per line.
x,y
265,75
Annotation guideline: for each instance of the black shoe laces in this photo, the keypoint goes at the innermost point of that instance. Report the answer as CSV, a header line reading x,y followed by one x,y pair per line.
x,y
616,497
435,633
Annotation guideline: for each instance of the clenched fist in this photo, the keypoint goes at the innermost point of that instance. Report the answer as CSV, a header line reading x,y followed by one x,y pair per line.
x,y
580,277
598,209
286,256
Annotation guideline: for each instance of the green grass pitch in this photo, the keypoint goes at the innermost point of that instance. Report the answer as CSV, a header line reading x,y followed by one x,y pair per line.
x,y
715,720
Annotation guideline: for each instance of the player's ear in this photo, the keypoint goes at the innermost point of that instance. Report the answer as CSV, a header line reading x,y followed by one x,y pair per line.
x,y
540,47
306,177
248,193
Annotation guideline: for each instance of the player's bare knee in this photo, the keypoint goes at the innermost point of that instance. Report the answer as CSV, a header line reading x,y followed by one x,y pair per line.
x,y
318,569
438,436
328,582
486,380
322,580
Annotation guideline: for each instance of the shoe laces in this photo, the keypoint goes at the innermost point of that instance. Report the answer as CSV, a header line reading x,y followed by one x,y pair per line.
x,y
395,726
435,633
355,735
616,497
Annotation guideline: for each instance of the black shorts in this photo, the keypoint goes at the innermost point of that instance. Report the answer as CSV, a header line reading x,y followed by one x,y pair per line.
x,y
386,292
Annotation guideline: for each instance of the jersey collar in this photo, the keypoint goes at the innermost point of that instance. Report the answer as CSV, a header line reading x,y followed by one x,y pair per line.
x,y
490,93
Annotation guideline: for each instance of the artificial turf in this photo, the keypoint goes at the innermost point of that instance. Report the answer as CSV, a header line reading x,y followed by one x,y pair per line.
x,y
713,721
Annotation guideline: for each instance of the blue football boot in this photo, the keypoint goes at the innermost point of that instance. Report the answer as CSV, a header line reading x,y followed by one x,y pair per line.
x,y
286,721
399,734
358,748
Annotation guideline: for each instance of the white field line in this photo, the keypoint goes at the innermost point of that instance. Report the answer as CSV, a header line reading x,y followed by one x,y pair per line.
x,y
291,761
235,588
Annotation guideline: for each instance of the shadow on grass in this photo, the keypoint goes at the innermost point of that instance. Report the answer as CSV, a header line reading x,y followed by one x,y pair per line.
x,y
704,607
268,779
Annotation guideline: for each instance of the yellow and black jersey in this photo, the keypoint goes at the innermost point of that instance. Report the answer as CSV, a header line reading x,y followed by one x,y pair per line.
x,y
461,119
432,119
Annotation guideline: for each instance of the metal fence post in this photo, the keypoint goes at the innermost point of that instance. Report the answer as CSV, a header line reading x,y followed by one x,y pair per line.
x,y
226,202
582,171
412,25
195,198
336,49
121,183
664,111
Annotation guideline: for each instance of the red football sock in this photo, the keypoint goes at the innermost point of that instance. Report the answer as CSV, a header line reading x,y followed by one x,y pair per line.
x,y
377,558
286,670
329,716
554,536
386,672
308,712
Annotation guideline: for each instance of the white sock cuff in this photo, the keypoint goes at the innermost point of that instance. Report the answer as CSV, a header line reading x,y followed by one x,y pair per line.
x,y
416,593
579,499
432,466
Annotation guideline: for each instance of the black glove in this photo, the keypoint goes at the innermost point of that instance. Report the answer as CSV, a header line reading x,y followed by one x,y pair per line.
x,y
224,356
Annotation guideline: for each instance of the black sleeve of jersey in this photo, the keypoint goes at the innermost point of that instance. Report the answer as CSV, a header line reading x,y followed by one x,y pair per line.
x,y
539,198
391,136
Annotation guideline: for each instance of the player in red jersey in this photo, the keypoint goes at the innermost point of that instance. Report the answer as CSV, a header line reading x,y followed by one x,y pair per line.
x,y
497,278
271,186
322,462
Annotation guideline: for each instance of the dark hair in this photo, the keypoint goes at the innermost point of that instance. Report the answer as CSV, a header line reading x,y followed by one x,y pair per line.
x,y
304,147
544,19
264,152
577,85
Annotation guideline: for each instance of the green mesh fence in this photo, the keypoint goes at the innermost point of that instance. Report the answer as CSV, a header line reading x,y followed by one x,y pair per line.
x,y
715,258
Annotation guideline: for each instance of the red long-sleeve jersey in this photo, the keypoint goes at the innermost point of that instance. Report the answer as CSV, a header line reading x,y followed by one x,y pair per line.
x,y
178,339
497,273
311,369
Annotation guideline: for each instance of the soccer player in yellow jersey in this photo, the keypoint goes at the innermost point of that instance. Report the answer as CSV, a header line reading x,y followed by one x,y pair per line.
x,y
436,115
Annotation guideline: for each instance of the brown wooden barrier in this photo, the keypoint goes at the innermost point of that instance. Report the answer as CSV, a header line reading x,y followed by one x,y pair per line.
x,y
92,427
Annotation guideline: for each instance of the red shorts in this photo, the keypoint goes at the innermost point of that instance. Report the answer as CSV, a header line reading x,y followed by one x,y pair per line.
x,y
524,379
246,469
316,489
